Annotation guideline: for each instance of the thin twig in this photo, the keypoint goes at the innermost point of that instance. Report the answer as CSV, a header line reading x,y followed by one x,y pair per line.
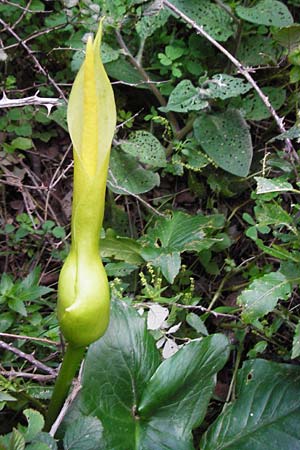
x,y
145,76
32,376
29,338
29,358
31,54
241,69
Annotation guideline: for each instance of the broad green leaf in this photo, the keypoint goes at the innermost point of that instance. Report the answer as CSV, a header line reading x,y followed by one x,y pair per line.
x,y
262,295
134,397
181,232
224,86
168,261
296,342
266,12
117,370
184,98
22,143
257,49
195,322
225,137
265,185
254,107
122,70
288,37
17,441
182,386
43,441
35,422
212,17
265,415
127,177
83,434
120,248
146,148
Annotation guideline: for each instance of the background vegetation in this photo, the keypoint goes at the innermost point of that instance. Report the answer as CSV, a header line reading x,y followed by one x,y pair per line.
x,y
201,232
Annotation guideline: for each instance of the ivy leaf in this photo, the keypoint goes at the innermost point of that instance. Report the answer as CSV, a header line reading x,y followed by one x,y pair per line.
x,y
266,413
255,109
262,295
225,137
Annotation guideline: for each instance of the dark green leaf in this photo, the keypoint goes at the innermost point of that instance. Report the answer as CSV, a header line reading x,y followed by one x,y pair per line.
x,y
266,12
263,294
146,148
225,137
266,413
212,17
184,98
83,434
127,177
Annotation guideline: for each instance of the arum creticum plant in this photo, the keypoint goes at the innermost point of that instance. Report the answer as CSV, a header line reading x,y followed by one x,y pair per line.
x,y
83,291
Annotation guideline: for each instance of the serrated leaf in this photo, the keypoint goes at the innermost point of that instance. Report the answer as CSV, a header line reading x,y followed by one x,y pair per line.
x,y
225,137
174,235
127,177
83,434
146,148
266,413
266,12
184,98
212,17
265,185
262,295
35,422
224,86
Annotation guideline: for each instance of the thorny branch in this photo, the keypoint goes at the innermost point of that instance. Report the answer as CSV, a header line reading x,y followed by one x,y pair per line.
x,y
5,102
27,357
244,71
32,55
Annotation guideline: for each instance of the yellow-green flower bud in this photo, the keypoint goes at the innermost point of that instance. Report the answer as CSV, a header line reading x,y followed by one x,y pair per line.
x,y
83,291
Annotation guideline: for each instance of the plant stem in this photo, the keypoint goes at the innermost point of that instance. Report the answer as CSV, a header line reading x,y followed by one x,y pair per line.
x,y
68,369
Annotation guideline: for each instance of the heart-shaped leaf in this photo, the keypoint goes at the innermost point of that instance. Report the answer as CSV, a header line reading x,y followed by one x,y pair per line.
x,y
142,404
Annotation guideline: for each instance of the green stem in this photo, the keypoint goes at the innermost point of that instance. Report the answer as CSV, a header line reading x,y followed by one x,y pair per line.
x,y
68,369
